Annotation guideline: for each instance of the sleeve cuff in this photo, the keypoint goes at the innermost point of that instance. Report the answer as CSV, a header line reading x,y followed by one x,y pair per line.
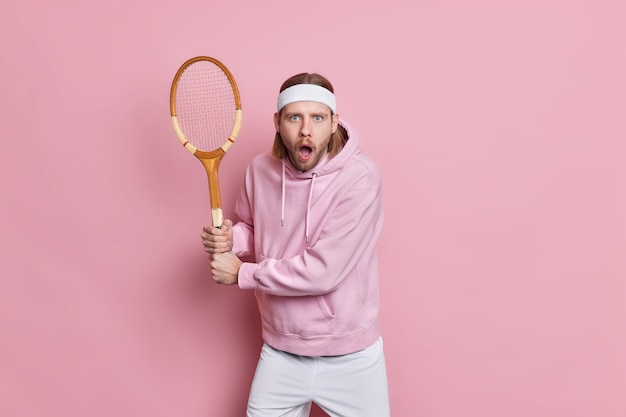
x,y
245,278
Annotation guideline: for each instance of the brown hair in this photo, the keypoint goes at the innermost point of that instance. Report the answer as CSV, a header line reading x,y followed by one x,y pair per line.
x,y
337,140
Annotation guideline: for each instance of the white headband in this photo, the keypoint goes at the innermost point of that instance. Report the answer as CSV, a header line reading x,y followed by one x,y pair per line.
x,y
307,92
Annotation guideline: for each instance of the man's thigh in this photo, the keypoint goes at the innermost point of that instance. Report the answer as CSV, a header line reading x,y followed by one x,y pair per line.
x,y
281,385
354,385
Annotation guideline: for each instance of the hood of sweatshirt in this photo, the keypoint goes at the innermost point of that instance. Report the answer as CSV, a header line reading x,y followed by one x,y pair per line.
x,y
326,166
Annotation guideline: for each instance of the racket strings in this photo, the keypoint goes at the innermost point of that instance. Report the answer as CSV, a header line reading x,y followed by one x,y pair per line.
x,y
205,104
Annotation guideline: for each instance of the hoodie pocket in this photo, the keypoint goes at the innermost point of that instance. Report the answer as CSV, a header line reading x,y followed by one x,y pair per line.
x,y
325,308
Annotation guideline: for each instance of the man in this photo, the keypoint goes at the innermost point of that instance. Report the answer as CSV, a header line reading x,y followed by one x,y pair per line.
x,y
306,243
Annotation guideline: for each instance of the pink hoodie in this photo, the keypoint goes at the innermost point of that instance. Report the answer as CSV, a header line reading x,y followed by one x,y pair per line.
x,y
313,236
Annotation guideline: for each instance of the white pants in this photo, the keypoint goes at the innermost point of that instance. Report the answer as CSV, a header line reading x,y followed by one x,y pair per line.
x,y
353,385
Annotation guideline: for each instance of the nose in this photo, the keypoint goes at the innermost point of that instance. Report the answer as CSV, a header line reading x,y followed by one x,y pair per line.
x,y
305,129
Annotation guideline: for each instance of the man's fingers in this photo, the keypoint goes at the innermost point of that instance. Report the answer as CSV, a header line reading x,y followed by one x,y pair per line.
x,y
226,225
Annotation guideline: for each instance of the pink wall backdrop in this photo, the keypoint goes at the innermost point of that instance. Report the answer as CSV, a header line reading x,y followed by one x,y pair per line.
x,y
500,129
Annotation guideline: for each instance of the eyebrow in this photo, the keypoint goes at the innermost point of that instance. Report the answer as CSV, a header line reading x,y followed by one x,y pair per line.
x,y
295,113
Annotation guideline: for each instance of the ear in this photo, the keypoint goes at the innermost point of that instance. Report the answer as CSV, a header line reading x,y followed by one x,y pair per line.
x,y
276,121
335,123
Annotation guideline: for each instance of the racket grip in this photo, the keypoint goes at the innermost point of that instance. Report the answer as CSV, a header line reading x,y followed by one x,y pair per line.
x,y
218,217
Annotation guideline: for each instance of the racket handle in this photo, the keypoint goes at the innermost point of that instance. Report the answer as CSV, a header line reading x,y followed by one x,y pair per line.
x,y
218,217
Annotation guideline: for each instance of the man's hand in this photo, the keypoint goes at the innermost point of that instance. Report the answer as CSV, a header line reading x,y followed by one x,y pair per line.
x,y
218,240
225,268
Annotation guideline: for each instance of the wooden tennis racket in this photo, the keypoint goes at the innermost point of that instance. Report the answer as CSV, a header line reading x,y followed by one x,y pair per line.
x,y
206,114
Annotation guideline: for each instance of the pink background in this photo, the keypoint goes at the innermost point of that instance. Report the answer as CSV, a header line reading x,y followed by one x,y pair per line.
x,y
500,129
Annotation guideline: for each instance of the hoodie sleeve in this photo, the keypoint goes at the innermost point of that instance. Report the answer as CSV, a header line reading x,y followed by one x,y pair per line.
x,y
345,246
243,231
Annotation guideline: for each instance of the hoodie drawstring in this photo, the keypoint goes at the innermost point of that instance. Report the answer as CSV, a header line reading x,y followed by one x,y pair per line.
x,y
308,208
282,207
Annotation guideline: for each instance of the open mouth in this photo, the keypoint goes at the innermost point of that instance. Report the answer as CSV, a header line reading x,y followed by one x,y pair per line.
x,y
305,153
